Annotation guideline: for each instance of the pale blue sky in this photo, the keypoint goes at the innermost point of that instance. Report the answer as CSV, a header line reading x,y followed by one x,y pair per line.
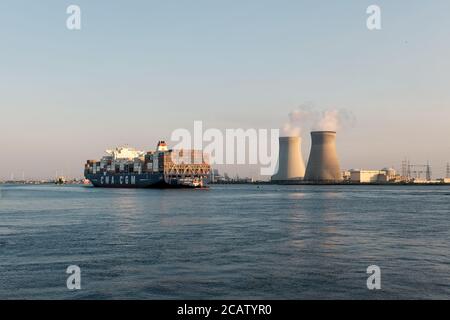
x,y
139,69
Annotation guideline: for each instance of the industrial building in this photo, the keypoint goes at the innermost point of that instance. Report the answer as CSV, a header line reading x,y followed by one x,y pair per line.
x,y
323,166
364,176
372,176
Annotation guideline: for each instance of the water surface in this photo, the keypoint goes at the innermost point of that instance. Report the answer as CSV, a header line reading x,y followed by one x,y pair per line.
x,y
267,242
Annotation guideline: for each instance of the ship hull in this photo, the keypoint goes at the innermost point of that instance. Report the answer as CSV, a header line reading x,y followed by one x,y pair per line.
x,y
144,180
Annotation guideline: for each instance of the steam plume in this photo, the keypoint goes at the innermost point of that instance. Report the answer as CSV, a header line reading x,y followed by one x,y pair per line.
x,y
307,117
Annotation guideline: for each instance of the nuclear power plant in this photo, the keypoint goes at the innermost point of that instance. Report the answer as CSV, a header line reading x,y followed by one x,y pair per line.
x,y
323,163
290,161
323,166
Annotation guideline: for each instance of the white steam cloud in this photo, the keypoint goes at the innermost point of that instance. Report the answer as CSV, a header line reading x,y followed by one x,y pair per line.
x,y
308,117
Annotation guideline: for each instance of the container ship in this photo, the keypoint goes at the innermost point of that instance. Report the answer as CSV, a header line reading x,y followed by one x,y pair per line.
x,y
126,167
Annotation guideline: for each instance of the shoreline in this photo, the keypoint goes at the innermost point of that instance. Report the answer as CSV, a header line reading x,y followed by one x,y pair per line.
x,y
334,183
261,183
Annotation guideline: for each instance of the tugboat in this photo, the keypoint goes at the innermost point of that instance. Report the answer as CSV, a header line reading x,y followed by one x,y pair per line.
x,y
60,180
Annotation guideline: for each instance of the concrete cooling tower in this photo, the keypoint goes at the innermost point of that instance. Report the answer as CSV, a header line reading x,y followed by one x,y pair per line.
x,y
323,163
290,161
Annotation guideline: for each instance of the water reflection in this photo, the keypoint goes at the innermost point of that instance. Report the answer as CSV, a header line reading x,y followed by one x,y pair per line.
x,y
314,220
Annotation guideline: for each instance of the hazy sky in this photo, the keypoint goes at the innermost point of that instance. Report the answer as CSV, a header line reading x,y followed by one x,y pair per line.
x,y
139,69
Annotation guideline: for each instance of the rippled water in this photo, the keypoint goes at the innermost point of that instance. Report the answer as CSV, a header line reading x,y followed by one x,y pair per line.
x,y
274,242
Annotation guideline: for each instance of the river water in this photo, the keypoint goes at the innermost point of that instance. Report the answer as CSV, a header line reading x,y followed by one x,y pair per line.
x,y
228,242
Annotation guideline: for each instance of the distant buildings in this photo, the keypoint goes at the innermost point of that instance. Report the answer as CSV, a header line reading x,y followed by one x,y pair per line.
x,y
386,175
217,178
372,176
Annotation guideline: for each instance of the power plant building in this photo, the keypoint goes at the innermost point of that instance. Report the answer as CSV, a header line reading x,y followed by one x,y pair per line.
x,y
372,176
365,176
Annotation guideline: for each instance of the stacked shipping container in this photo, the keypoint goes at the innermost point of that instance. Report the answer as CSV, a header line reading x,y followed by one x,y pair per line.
x,y
186,161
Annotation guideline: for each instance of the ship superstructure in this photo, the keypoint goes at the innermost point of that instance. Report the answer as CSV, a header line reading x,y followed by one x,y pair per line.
x,y
126,167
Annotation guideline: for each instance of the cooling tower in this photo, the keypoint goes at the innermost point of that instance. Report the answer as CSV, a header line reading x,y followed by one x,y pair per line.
x,y
290,161
323,163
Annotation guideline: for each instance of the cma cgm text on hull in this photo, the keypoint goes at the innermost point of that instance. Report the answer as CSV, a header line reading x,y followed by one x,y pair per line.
x,y
126,167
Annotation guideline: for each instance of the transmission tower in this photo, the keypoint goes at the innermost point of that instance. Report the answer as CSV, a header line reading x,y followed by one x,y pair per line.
x,y
404,165
415,171
447,174
428,172
406,169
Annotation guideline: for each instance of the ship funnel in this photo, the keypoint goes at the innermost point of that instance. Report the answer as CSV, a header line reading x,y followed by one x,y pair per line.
x,y
323,163
162,146
290,161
